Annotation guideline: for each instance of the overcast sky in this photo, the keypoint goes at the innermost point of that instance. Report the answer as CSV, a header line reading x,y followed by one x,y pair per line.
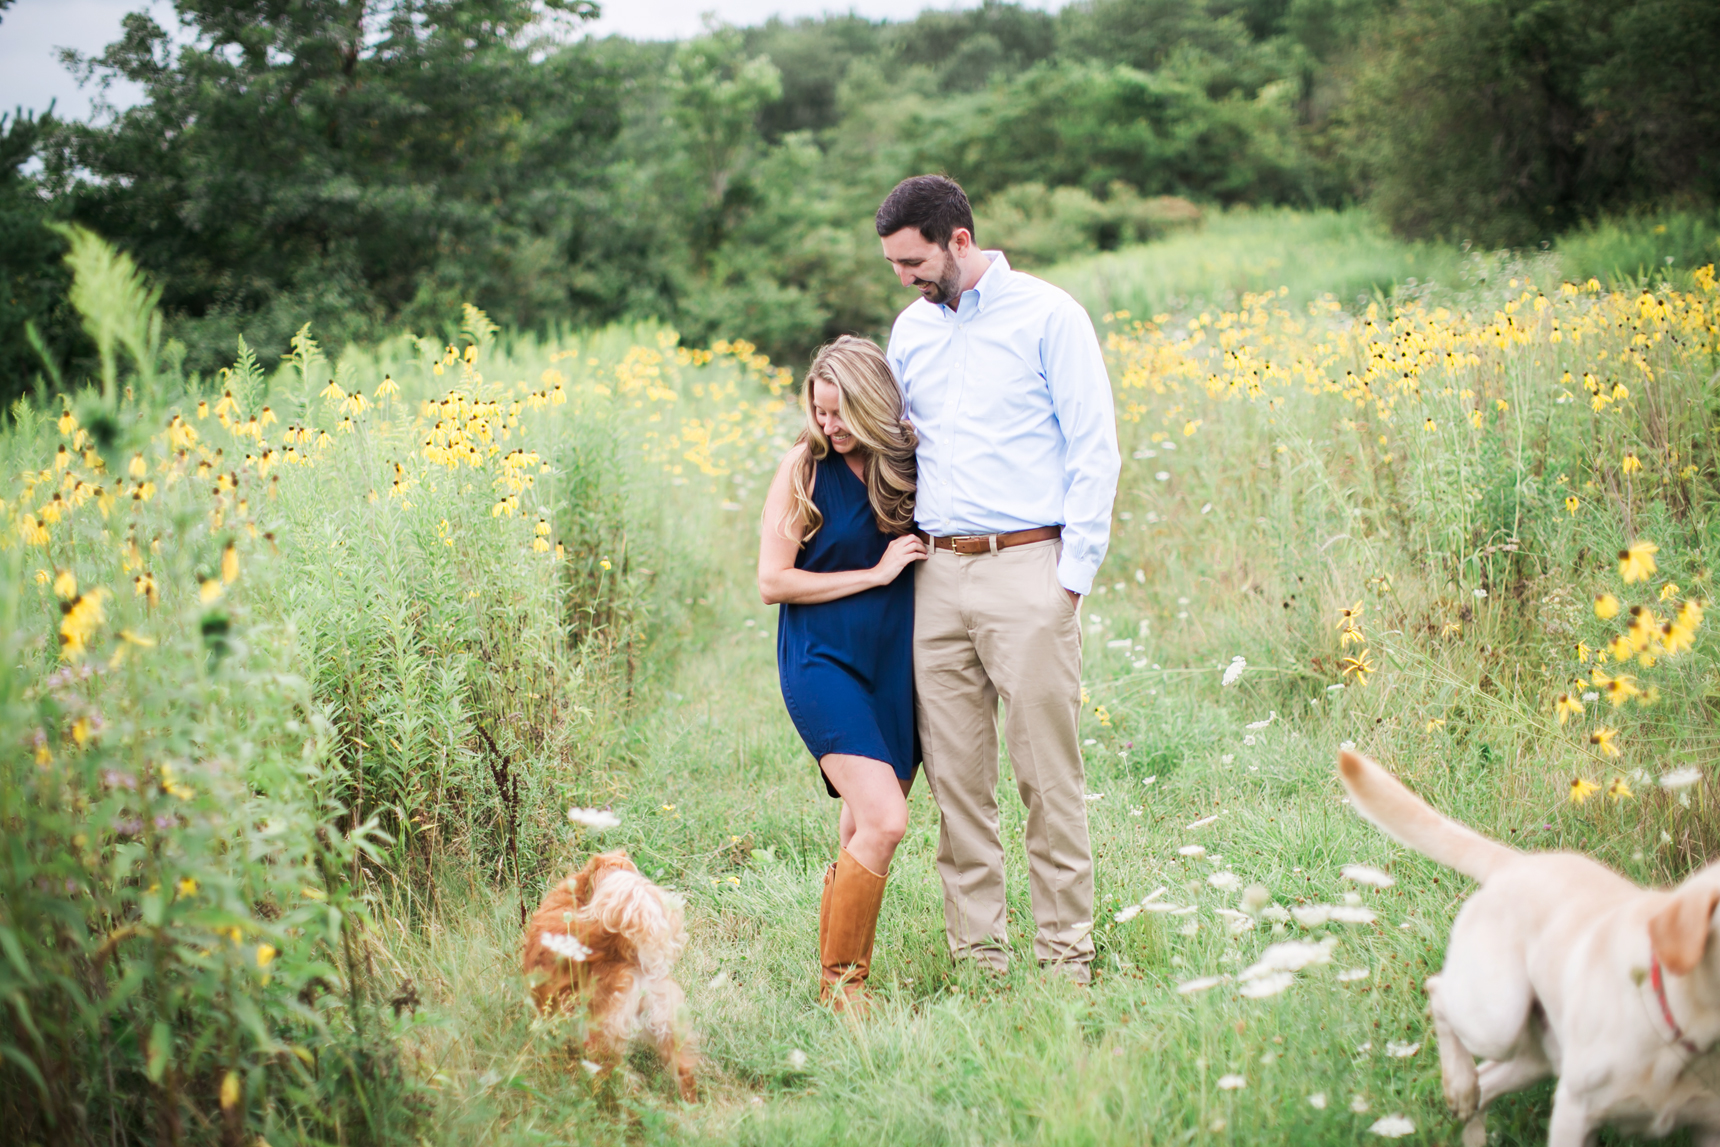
x,y
32,30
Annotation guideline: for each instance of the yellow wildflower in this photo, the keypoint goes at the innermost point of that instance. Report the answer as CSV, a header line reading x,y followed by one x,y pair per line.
x,y
1621,689
1571,504
1606,606
229,563
1670,589
78,621
388,388
1567,707
1618,790
1603,740
66,585
1582,652
187,886
1637,563
265,954
209,590
1631,463
1358,666
230,1091
1582,790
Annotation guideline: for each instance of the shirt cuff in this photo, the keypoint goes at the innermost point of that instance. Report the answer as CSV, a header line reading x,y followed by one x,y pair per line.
x,y
1076,574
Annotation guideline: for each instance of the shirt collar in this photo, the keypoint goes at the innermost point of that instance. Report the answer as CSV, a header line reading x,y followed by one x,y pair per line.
x,y
987,285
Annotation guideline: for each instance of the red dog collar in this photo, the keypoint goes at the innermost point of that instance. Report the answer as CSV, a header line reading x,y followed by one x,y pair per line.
x,y
1678,1035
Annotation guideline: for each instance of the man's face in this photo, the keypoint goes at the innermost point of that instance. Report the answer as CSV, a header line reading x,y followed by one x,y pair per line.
x,y
923,265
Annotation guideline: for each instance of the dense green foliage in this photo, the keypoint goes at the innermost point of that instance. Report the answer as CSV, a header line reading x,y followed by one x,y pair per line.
x,y
368,163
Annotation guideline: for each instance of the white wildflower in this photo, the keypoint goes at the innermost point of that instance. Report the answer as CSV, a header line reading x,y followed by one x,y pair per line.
x,y
1190,987
590,1068
1680,778
1153,895
596,819
1363,874
1128,914
1231,1083
1401,1050
797,1060
1192,850
1289,956
1351,975
1312,915
1238,922
1224,881
1317,1101
1393,1127
1358,1103
566,946
1233,671
1202,822
1275,913
1271,716
1350,915
1271,985
1248,740
1254,899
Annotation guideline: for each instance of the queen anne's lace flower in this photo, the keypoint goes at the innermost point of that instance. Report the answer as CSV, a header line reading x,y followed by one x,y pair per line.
x,y
566,946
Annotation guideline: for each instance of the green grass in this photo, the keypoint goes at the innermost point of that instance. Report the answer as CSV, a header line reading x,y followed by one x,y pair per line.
x,y
1313,253
1642,248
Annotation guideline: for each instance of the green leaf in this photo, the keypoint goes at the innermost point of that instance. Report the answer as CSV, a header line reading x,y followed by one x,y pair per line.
x,y
160,1051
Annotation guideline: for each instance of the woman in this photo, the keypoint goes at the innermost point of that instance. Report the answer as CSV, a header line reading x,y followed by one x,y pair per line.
x,y
834,551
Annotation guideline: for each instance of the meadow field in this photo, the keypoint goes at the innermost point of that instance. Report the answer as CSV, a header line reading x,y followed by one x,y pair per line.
x,y
306,662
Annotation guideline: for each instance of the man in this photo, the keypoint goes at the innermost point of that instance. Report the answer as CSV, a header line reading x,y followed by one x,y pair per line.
x,y
1006,385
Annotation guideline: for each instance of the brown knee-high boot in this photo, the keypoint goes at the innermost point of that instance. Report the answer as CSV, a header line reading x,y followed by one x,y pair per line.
x,y
850,924
824,906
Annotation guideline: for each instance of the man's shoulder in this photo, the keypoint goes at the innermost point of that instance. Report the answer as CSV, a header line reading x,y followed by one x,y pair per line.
x,y
915,315
1032,289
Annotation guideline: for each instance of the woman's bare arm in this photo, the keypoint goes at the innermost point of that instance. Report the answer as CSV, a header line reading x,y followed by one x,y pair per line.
x,y
778,580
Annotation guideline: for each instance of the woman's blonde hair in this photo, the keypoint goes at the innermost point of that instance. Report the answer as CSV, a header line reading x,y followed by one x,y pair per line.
x,y
870,404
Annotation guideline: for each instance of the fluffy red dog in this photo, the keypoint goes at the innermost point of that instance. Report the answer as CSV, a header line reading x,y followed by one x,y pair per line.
x,y
610,937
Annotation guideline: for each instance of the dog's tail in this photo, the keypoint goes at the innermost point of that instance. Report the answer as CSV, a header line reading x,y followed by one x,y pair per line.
x,y
1407,819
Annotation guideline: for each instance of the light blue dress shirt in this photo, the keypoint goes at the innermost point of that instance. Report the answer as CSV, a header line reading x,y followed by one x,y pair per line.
x,y
1013,407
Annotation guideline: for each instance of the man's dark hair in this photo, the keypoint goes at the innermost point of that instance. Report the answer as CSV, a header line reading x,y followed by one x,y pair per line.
x,y
936,204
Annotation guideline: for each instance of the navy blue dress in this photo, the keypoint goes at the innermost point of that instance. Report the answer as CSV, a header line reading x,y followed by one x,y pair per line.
x,y
847,666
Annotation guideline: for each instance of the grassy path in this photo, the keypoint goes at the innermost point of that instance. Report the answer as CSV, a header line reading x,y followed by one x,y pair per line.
x,y
723,803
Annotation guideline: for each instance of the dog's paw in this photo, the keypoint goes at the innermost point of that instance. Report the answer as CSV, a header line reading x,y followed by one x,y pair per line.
x,y
1475,1132
1462,1095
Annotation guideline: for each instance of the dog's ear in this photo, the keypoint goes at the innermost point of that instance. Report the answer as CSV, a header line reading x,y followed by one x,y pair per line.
x,y
586,879
1679,932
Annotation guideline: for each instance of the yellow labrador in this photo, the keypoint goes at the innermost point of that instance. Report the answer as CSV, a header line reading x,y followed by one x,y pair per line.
x,y
1558,966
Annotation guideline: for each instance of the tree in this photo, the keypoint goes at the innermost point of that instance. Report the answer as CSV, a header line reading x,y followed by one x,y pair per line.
x,y
352,162
39,337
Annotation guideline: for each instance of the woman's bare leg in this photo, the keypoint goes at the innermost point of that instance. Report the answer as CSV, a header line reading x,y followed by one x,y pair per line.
x,y
874,807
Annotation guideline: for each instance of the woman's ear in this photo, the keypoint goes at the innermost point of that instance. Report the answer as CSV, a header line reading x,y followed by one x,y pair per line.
x,y
1679,932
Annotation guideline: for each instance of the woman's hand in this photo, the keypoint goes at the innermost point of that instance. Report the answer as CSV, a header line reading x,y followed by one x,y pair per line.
x,y
897,556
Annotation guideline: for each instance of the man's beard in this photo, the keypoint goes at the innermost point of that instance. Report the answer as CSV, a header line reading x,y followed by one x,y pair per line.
x,y
946,286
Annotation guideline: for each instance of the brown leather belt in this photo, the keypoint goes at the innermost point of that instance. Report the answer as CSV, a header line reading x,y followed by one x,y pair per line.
x,y
991,543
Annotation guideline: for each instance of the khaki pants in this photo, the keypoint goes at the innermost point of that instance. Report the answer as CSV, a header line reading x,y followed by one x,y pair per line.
x,y
991,626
